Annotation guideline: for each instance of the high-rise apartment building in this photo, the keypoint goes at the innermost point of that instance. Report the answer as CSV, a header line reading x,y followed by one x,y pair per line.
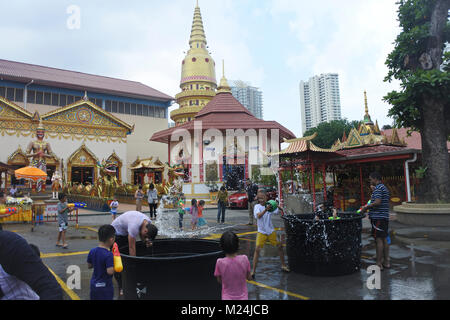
x,y
320,100
250,97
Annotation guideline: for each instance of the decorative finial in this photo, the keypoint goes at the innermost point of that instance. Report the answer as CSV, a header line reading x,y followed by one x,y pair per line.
x,y
223,86
365,102
85,98
41,125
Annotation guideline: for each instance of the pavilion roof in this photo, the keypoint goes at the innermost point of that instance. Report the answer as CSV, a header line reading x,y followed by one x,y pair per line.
x,y
225,112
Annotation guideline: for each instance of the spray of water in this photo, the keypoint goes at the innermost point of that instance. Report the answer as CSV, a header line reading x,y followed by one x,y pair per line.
x,y
167,222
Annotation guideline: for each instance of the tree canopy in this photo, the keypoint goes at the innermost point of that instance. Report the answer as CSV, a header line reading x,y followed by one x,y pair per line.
x,y
422,66
423,71
329,132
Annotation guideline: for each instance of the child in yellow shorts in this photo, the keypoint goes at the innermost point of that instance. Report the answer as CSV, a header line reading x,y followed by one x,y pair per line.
x,y
266,231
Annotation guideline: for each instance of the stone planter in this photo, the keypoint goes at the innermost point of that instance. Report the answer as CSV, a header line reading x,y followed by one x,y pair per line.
x,y
426,215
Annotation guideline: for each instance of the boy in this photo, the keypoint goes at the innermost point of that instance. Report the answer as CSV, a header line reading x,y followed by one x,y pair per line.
x,y
114,205
63,220
266,231
181,212
102,260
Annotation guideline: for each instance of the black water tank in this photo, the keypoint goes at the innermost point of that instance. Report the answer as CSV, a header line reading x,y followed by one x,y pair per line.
x,y
324,248
172,269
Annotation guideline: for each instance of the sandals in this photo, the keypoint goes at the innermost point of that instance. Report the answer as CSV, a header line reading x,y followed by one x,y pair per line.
x,y
65,246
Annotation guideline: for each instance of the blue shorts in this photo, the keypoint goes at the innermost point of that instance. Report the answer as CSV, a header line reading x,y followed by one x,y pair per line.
x,y
113,213
104,293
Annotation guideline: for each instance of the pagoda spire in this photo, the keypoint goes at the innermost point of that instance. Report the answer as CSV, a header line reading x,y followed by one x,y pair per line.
x,y
367,119
198,32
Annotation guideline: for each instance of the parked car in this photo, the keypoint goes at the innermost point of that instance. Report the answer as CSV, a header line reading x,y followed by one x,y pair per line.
x,y
239,200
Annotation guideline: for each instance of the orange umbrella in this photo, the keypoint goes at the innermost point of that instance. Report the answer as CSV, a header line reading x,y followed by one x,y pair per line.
x,y
30,173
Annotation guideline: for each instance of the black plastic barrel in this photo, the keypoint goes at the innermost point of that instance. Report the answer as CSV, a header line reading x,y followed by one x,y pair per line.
x,y
323,248
172,269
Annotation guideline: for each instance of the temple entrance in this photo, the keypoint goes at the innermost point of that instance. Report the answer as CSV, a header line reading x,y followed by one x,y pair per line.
x,y
82,175
81,166
234,176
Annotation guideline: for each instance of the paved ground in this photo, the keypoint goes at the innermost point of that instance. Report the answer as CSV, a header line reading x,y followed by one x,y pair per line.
x,y
420,266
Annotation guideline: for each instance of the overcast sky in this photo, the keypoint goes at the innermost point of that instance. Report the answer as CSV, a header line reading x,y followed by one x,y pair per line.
x,y
272,44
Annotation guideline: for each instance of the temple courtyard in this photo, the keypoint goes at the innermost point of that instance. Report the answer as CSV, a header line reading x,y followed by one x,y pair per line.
x,y
420,261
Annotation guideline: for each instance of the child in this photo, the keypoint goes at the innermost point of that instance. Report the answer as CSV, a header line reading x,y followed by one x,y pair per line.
x,y
233,270
63,220
194,213
114,205
266,231
181,212
201,220
102,260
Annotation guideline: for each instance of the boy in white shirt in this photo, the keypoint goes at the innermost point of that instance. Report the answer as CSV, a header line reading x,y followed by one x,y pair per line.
x,y
266,231
113,206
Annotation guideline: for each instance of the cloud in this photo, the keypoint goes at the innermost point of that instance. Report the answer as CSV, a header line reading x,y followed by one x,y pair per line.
x,y
272,44
352,38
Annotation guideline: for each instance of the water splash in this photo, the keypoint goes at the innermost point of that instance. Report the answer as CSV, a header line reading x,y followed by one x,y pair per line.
x,y
167,222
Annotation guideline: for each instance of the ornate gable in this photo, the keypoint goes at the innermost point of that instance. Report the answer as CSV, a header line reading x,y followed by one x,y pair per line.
x,y
83,157
18,157
87,119
354,139
13,118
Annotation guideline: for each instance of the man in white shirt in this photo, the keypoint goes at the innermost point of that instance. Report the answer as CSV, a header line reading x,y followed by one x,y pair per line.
x,y
266,231
128,227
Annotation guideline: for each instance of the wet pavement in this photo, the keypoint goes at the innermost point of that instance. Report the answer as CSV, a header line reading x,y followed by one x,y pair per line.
x,y
420,268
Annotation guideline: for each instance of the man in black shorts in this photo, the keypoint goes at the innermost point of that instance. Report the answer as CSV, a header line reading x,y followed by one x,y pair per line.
x,y
379,218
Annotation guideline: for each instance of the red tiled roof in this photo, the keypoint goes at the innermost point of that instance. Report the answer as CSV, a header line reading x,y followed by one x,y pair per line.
x,y
413,142
225,112
24,72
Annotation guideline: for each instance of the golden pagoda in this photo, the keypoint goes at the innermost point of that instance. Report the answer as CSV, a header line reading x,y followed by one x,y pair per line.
x,y
367,134
198,75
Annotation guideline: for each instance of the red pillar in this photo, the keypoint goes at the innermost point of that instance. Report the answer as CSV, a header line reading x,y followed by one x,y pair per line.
x,y
168,152
361,185
313,186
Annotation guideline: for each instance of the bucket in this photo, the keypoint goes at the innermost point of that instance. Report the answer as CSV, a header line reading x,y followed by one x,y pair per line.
x,y
172,269
323,248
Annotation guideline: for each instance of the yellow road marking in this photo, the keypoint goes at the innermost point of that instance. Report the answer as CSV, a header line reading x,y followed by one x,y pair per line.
x,y
54,255
63,285
89,228
278,290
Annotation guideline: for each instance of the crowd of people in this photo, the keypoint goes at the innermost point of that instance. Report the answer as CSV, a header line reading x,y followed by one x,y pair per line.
x,y
24,276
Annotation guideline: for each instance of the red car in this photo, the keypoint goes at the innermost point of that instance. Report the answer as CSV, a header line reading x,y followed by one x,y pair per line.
x,y
239,200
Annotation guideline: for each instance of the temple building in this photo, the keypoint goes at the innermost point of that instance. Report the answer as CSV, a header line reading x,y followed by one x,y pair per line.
x,y
87,119
198,75
223,143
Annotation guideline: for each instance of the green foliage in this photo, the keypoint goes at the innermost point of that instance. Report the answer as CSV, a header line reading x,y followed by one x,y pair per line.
x,y
417,84
329,132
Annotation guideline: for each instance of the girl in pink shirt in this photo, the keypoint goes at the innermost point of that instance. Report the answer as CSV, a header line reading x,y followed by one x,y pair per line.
x,y
233,270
